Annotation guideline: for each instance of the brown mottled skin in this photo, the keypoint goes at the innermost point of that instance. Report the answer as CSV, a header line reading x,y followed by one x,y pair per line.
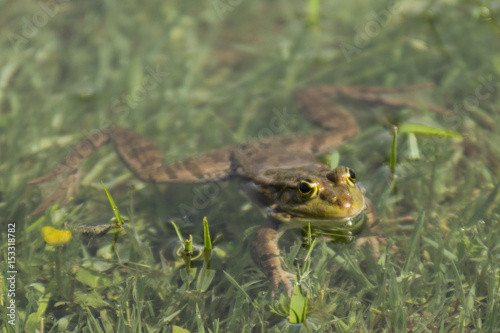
x,y
283,174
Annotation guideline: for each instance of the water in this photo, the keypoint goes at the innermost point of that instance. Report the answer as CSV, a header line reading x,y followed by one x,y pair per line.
x,y
197,76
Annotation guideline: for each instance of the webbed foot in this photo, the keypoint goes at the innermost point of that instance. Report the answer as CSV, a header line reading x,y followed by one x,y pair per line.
x,y
373,241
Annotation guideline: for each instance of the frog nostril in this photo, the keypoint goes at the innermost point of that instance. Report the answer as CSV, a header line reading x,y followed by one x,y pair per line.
x,y
333,199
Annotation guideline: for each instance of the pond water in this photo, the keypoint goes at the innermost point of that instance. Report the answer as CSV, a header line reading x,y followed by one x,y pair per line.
x,y
198,76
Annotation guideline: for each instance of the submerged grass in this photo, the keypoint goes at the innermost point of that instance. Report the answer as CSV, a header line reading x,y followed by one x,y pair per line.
x,y
194,77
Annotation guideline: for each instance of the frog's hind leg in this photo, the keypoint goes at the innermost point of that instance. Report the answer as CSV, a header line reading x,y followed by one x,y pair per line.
x,y
378,95
145,159
141,156
68,169
346,91
396,103
318,105
77,155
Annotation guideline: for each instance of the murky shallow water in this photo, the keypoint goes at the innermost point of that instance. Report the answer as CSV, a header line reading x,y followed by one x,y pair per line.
x,y
195,77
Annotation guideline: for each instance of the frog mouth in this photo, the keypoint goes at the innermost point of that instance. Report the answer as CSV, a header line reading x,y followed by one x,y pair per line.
x,y
340,232
336,229
348,224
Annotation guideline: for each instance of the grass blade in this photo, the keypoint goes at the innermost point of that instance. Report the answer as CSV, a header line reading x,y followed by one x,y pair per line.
x,y
392,162
298,303
237,286
428,130
207,251
113,205
413,243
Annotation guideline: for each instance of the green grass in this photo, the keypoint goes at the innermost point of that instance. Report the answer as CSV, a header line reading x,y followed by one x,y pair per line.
x,y
220,78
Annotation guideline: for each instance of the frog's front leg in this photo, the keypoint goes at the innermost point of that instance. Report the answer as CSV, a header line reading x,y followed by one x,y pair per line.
x,y
266,254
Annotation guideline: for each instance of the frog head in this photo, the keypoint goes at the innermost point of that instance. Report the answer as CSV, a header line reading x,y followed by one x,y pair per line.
x,y
326,200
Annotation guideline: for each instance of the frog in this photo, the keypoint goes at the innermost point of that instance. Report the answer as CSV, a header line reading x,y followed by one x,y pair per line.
x,y
283,175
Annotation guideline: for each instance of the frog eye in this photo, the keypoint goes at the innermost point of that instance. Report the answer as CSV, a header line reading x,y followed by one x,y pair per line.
x,y
352,175
308,189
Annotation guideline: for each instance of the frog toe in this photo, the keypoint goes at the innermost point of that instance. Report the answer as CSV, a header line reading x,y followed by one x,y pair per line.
x,y
373,242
